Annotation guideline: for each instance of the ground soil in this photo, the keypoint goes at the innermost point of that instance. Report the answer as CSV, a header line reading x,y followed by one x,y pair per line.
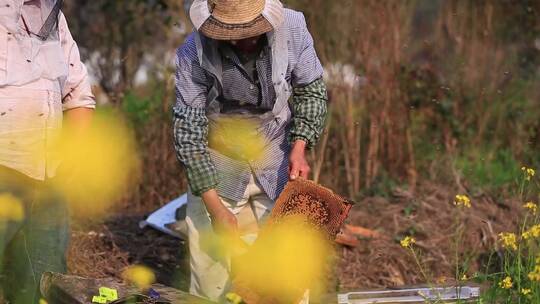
x,y
104,250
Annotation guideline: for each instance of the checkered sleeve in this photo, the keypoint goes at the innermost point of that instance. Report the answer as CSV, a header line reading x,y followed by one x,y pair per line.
x,y
309,107
191,123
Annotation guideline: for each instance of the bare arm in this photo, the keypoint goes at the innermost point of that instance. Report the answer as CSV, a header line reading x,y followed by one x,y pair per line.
x,y
78,119
190,135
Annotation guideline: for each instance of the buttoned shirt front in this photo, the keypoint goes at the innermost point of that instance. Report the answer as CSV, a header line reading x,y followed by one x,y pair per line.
x,y
247,88
39,79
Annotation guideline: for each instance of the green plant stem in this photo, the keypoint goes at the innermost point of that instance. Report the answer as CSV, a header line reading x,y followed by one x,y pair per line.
x,y
421,268
518,252
521,187
458,236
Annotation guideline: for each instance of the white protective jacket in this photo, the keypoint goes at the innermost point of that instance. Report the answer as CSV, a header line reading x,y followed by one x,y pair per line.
x,y
41,75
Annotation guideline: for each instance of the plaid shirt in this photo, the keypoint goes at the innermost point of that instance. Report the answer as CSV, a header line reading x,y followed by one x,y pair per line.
x,y
309,112
208,169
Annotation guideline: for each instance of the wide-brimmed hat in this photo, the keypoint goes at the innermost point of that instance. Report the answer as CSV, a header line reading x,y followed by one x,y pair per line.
x,y
236,19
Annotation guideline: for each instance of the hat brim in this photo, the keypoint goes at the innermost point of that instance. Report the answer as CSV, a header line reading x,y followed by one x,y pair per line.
x,y
215,29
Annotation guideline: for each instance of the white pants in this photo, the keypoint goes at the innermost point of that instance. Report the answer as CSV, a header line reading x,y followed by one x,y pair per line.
x,y
210,267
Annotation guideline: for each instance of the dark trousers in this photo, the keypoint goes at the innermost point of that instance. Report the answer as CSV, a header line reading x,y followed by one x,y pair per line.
x,y
34,244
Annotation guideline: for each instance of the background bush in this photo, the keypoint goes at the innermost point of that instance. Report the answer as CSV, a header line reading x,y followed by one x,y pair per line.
x,y
427,90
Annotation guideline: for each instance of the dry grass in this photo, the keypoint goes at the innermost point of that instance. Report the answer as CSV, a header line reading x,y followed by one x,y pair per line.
x,y
373,264
94,254
383,263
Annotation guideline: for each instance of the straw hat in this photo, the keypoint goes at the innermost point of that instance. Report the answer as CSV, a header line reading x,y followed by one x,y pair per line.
x,y
236,19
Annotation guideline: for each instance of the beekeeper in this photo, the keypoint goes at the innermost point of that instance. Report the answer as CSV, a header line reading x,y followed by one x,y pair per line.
x,y
43,83
250,64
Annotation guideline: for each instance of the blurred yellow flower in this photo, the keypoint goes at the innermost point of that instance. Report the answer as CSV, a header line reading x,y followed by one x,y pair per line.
x,y
535,274
233,298
506,283
464,277
532,233
529,173
462,201
42,301
11,208
532,207
441,280
140,276
294,257
97,165
238,138
525,291
508,240
407,242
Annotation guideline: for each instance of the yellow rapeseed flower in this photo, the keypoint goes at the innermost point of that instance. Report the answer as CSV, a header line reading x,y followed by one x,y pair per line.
x,y
508,240
295,257
532,207
407,242
139,275
506,283
532,233
535,274
237,138
525,291
233,298
441,280
97,166
462,201
11,208
529,173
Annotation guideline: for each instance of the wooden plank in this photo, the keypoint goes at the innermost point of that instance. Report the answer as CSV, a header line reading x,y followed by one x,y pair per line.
x,y
65,289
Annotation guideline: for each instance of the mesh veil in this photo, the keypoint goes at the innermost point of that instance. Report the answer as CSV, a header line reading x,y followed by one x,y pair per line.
x,y
50,14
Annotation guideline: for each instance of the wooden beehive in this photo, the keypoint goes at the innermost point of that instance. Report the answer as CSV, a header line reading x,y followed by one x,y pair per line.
x,y
318,206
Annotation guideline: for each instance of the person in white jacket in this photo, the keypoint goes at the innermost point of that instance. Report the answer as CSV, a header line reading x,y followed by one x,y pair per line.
x,y
43,84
